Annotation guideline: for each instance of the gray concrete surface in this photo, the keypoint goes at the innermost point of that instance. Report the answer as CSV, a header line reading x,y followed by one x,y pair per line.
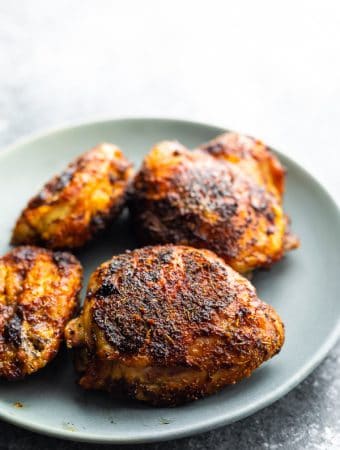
x,y
267,68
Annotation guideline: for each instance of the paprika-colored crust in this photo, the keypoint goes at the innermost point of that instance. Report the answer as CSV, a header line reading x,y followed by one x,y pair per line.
x,y
75,205
225,196
170,324
38,296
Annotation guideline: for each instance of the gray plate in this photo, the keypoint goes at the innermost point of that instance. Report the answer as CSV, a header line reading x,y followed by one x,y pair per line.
x,y
304,288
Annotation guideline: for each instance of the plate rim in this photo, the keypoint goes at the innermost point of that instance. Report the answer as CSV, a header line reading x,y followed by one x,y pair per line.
x,y
212,423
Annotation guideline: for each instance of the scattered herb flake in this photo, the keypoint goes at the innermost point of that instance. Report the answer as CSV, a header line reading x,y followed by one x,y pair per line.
x,y
18,405
165,421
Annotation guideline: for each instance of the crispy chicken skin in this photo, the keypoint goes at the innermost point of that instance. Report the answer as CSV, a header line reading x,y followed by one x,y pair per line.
x,y
75,205
170,324
252,156
38,296
225,196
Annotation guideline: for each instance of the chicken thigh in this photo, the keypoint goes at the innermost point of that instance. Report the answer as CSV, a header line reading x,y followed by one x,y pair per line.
x,y
170,324
74,206
225,197
38,296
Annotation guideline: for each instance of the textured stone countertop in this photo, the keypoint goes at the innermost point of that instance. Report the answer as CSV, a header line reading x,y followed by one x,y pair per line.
x,y
270,69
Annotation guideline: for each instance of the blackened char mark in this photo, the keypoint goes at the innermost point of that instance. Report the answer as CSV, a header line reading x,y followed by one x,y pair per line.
x,y
156,296
12,331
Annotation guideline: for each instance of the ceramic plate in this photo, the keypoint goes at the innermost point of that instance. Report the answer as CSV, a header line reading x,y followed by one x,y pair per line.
x,y
304,288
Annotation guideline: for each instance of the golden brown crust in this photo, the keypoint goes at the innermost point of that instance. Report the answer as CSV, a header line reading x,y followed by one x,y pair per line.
x,y
253,156
38,296
226,199
77,204
169,324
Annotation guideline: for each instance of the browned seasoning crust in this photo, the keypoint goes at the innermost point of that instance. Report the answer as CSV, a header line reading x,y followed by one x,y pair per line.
x,y
225,196
170,324
38,296
253,156
78,203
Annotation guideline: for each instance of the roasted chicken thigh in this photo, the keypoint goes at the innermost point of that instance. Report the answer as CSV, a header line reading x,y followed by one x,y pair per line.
x,y
75,205
225,196
38,296
170,324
